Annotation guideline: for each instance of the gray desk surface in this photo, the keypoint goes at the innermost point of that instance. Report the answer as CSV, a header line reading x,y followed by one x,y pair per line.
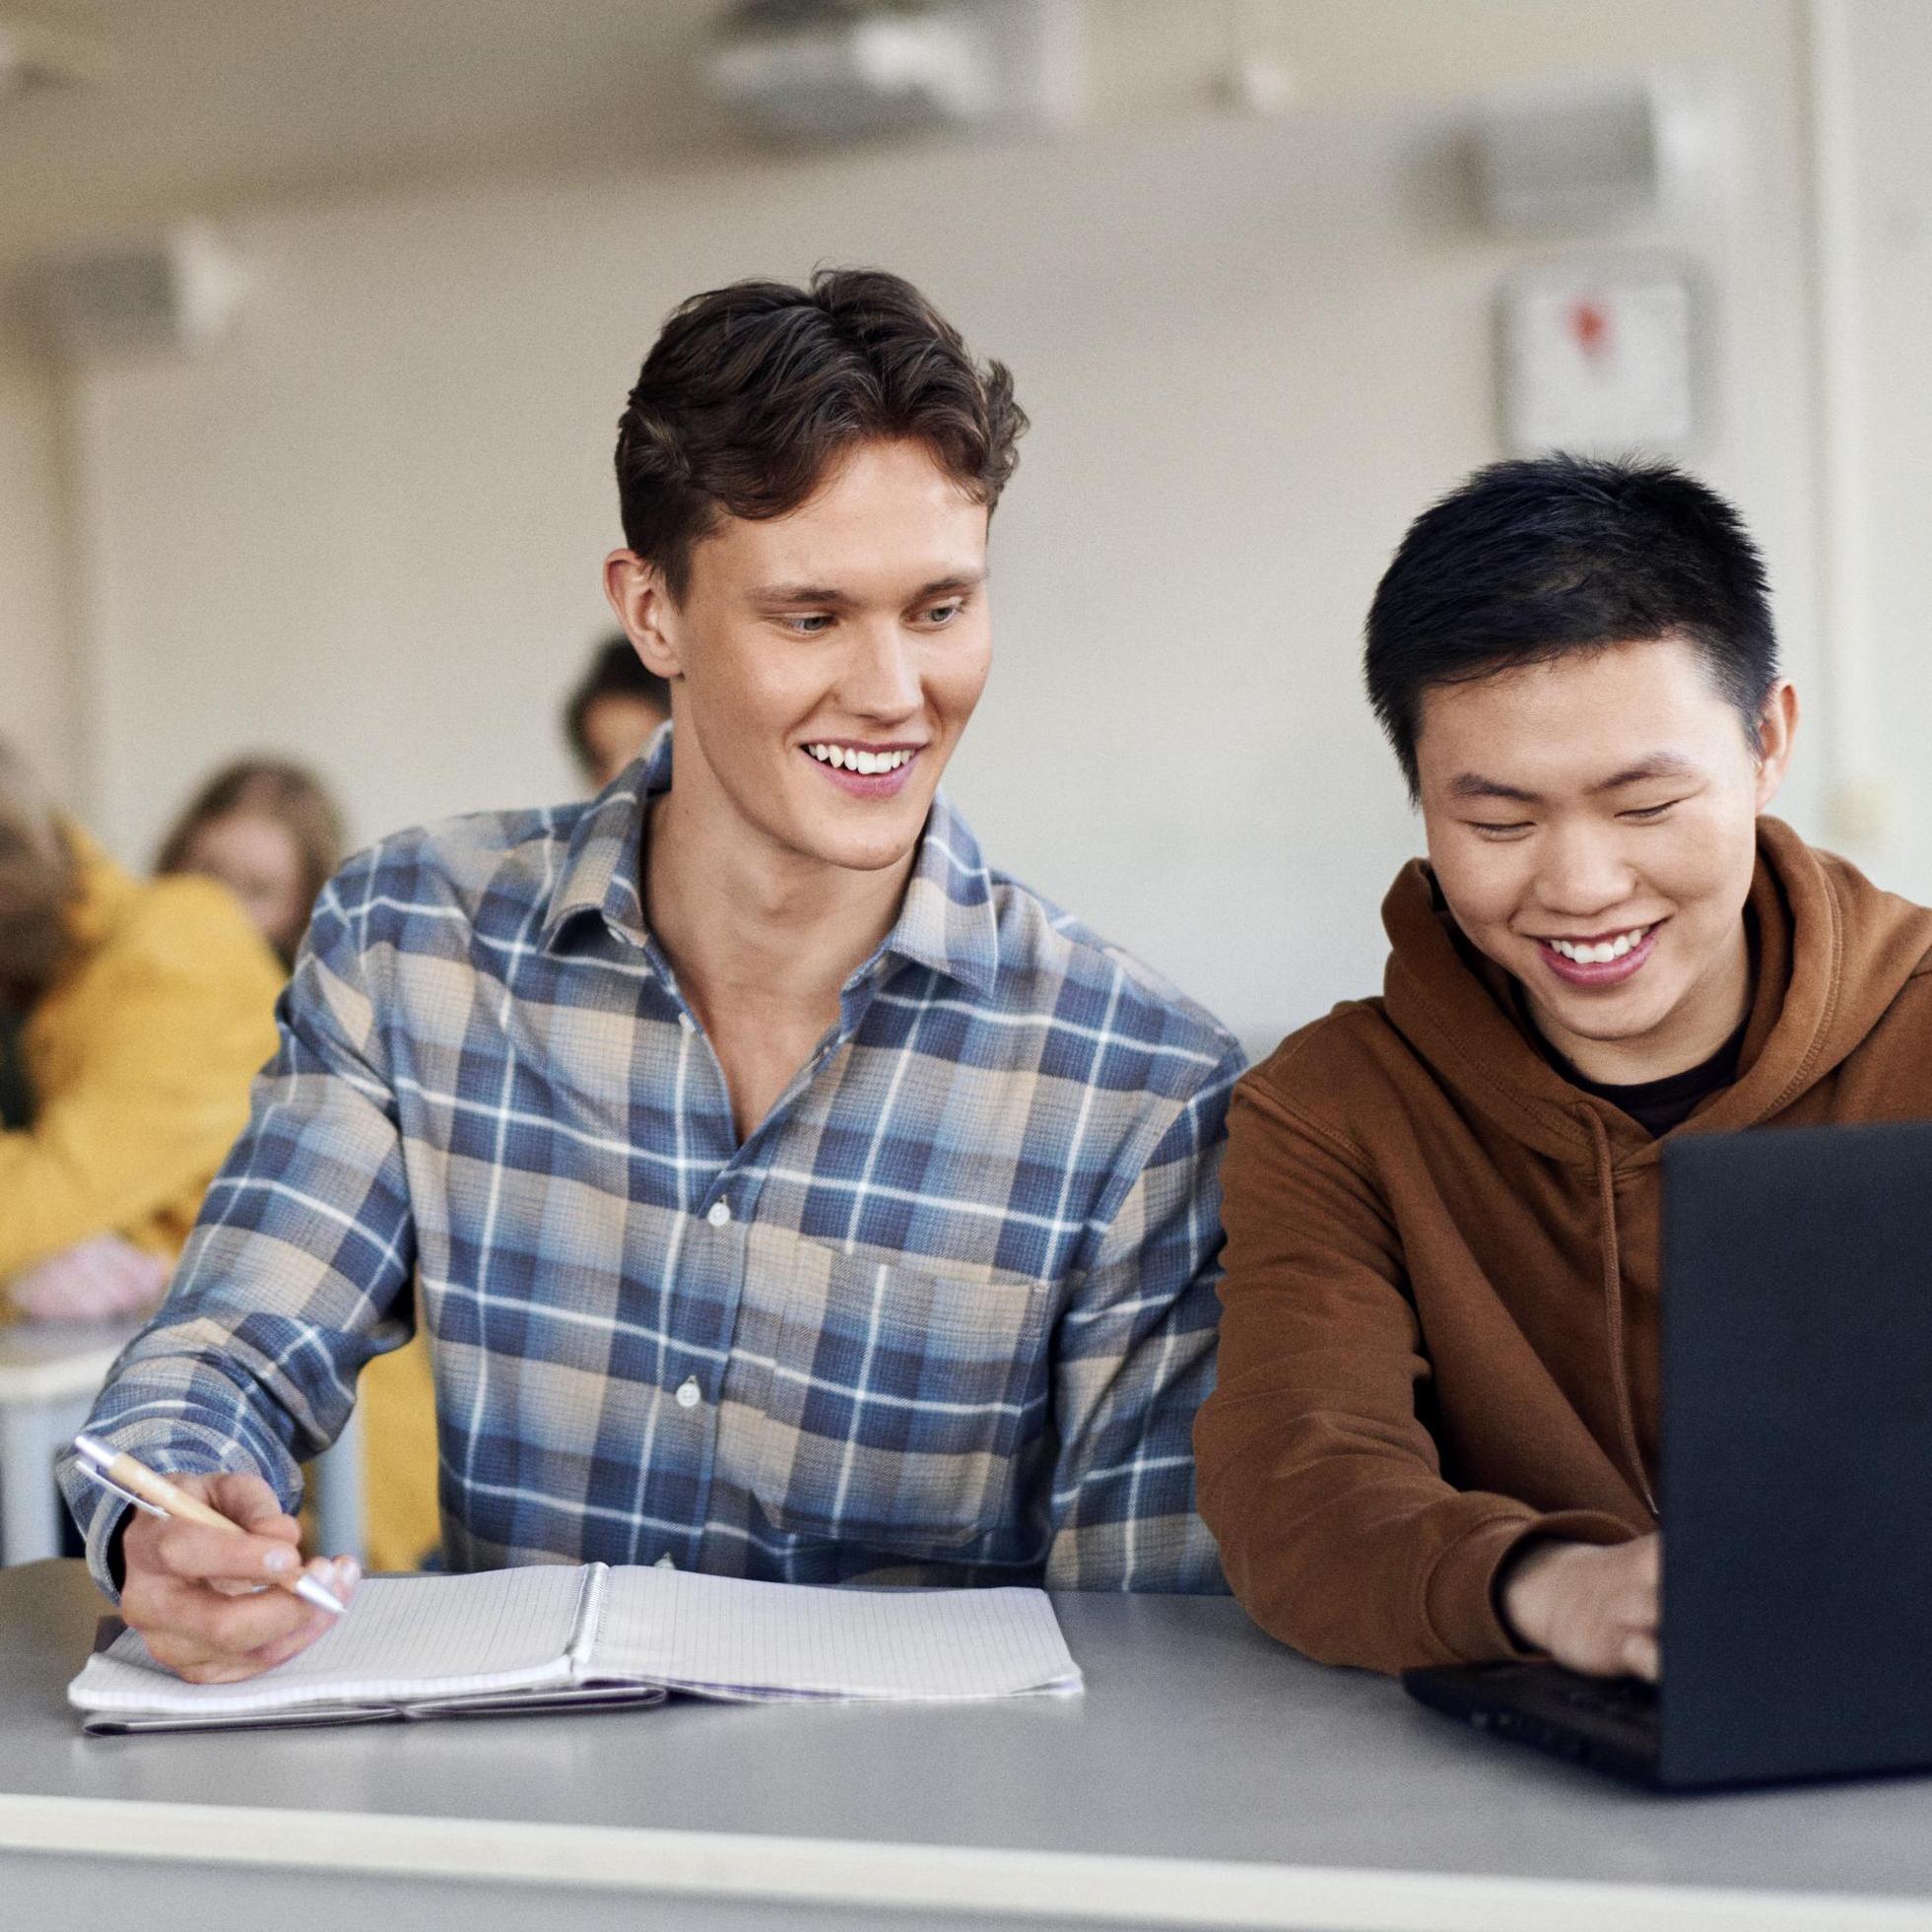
x,y
1207,1776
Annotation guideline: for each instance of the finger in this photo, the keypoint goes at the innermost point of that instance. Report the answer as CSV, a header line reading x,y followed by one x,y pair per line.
x,y
1641,1657
340,1577
187,1624
189,1660
196,1552
249,1501
228,1628
270,1654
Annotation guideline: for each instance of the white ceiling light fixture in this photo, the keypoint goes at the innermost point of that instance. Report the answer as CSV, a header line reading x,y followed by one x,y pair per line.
x,y
816,71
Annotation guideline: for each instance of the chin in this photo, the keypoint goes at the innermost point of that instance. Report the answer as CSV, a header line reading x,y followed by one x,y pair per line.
x,y
1609,1025
874,856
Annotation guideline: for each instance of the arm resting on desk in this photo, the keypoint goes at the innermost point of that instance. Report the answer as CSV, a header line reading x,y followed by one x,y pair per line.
x,y
1318,1477
304,1248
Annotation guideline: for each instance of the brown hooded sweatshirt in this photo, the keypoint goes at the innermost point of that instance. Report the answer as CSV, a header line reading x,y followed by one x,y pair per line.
x,y
1441,1317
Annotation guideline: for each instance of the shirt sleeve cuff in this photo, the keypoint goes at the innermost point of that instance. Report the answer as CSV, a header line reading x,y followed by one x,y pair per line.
x,y
1460,1597
100,1513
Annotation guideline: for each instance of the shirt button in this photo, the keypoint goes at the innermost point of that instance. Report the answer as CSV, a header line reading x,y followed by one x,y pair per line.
x,y
718,1213
689,1395
687,1021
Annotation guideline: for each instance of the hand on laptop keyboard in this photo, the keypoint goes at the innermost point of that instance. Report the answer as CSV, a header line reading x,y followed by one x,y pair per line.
x,y
1591,1608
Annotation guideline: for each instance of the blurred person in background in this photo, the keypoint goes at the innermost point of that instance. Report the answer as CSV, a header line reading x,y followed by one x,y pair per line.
x,y
271,834
613,712
270,830
132,1018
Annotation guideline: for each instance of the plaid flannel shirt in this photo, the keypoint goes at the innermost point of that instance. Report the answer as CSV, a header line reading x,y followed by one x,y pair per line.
x,y
945,1316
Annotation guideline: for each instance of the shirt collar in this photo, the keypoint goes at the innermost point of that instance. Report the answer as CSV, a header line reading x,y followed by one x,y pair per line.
x,y
600,871
947,919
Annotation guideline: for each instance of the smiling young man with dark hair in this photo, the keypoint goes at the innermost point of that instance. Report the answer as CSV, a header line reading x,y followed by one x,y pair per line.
x,y
1436,1431
786,1193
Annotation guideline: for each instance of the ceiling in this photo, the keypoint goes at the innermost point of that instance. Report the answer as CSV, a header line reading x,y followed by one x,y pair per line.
x,y
205,107
212,104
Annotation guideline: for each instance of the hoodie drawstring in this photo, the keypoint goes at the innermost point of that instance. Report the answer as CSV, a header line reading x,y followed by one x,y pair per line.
x,y
1613,1308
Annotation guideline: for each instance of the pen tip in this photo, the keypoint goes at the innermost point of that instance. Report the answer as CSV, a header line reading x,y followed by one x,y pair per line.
x,y
312,1592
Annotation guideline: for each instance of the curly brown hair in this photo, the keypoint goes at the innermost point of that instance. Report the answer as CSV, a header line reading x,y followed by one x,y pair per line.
x,y
752,391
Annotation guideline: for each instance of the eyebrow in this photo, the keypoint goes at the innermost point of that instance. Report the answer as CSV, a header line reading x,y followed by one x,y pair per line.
x,y
820,593
1659,764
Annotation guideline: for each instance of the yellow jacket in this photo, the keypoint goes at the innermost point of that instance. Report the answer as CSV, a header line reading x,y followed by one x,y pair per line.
x,y
140,1056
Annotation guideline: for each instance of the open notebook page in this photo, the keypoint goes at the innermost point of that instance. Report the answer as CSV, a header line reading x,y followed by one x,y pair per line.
x,y
722,1636
402,1638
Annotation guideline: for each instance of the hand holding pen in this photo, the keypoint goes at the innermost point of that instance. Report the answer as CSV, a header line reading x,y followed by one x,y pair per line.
x,y
195,1575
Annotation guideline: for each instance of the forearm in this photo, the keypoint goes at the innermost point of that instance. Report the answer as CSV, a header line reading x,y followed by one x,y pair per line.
x,y
241,1371
1355,1551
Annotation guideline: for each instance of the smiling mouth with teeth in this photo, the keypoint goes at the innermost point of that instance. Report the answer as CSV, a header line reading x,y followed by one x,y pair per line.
x,y
1603,951
866,765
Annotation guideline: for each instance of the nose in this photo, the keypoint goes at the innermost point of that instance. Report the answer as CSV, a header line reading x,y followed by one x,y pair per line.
x,y
882,677
1584,870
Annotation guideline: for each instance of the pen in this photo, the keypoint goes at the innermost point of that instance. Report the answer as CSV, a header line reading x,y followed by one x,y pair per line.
x,y
118,1471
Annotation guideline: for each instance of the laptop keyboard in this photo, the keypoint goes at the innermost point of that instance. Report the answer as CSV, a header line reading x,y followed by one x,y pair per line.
x,y
1625,1697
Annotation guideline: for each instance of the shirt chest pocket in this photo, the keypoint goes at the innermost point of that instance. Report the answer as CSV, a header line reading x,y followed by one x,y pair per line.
x,y
901,1402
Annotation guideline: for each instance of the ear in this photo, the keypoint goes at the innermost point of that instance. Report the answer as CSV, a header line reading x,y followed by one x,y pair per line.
x,y
1777,726
644,607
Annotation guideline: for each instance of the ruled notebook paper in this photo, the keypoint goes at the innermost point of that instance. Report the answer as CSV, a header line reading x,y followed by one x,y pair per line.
x,y
416,1643
404,1640
723,1637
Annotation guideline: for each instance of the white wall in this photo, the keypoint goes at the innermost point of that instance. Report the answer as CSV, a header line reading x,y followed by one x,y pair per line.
x,y
38,682
369,529
1893,158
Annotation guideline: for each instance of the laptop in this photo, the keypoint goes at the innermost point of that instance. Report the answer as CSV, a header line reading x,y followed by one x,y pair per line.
x,y
1796,1482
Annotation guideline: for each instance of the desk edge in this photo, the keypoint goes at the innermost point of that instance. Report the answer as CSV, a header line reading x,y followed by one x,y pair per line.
x,y
1082,1887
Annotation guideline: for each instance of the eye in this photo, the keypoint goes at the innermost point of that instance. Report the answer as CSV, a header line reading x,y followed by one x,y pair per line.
x,y
1648,815
1499,833
938,615
807,624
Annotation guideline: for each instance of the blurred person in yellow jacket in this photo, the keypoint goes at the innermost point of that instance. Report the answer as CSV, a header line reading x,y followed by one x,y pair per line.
x,y
270,831
132,1018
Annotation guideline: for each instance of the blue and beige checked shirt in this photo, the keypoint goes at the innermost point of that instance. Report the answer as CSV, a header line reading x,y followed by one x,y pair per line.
x,y
945,1316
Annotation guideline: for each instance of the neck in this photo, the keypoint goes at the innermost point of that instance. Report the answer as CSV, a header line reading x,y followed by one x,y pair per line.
x,y
746,925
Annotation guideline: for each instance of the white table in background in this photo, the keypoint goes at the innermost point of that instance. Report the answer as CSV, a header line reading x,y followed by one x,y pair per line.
x,y
50,1375
1207,1777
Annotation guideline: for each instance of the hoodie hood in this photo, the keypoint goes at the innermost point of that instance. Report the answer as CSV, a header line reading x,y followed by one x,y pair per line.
x,y
1833,952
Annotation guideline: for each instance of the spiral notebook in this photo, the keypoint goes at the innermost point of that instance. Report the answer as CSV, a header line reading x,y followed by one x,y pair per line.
x,y
551,1638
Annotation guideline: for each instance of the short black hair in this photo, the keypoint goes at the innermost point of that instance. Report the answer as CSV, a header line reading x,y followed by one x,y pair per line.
x,y
616,670
1532,559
